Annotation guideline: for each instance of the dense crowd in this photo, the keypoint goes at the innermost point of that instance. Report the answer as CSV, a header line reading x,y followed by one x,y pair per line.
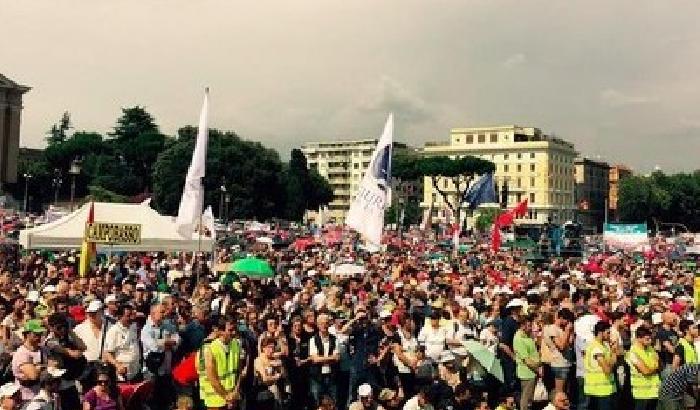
x,y
420,329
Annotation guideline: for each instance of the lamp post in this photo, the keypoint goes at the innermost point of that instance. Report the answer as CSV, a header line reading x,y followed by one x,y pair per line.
x,y
26,188
221,202
227,199
57,181
74,171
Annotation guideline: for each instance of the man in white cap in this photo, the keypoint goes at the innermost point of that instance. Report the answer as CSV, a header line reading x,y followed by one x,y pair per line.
x,y
10,398
365,400
92,331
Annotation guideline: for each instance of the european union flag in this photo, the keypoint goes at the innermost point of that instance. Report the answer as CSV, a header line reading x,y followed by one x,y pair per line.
x,y
481,192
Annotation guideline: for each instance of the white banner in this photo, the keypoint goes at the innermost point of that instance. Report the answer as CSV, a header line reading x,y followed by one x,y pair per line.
x,y
366,213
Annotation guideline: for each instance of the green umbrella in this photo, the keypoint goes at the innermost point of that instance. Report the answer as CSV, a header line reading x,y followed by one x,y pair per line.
x,y
485,357
253,268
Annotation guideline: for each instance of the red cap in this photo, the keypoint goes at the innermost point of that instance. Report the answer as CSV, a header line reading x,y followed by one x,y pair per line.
x,y
77,313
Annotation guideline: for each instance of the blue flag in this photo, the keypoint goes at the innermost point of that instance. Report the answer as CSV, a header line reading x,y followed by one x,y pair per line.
x,y
481,192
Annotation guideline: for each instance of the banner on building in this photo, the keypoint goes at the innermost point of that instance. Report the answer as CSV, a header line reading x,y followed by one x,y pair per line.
x,y
625,236
113,233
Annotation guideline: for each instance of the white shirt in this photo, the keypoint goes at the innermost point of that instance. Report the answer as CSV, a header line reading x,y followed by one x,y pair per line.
x,y
123,344
412,404
93,342
409,346
434,340
314,350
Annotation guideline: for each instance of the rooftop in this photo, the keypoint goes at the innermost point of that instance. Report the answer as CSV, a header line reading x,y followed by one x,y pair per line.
x,y
7,83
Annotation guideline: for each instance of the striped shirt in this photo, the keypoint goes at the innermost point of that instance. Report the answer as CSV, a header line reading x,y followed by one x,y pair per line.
x,y
679,382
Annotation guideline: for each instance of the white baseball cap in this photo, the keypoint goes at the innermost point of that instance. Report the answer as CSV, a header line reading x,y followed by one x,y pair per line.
x,y
515,303
32,296
364,390
9,389
111,298
94,306
49,289
54,372
384,314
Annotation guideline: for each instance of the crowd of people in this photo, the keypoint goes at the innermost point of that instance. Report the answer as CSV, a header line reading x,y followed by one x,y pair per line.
x,y
419,329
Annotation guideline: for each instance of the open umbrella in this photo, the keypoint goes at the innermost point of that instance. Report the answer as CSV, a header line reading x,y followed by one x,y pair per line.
x,y
253,268
485,357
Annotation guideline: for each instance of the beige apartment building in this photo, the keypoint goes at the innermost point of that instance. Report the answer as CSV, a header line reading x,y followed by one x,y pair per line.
x,y
533,166
343,164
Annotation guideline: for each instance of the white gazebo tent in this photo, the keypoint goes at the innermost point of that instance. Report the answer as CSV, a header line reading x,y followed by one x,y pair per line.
x,y
158,232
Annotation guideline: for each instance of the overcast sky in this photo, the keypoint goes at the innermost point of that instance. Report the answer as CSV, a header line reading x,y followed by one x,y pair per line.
x,y
620,79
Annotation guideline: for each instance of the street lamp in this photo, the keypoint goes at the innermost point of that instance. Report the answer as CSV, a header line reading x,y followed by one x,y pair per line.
x,y
227,199
221,201
26,188
57,181
74,171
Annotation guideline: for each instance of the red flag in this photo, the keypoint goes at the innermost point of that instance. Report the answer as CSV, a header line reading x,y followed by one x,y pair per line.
x,y
506,218
521,209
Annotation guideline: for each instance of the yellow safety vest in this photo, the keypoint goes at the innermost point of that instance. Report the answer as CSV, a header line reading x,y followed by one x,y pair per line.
x,y
644,387
595,381
226,368
689,354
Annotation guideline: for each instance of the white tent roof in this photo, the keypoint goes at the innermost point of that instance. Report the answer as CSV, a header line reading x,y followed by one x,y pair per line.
x,y
158,232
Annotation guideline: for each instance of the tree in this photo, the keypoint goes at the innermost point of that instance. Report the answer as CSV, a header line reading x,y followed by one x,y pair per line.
x,y
134,122
252,174
138,142
297,184
459,172
321,191
485,219
59,132
412,213
661,198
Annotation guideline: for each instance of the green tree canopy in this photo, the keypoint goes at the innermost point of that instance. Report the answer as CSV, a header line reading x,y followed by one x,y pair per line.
x,y
661,198
459,171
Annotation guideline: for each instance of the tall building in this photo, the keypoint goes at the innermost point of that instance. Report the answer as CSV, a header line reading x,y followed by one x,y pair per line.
x,y
10,119
532,165
617,174
343,164
591,192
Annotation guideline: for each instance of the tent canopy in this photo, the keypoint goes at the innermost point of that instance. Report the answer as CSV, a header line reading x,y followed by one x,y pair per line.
x,y
158,232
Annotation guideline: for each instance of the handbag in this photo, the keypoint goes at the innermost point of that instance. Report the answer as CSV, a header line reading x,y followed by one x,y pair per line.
x,y
540,393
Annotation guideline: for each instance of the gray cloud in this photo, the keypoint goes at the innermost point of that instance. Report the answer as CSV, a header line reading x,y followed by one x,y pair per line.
x,y
285,72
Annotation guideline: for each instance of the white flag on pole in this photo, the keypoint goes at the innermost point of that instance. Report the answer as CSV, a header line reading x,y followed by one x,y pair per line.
x,y
366,213
192,200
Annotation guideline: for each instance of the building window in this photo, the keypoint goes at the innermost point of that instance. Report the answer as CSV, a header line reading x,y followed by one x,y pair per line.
x,y
482,138
532,167
469,139
519,168
520,155
493,137
532,155
519,183
434,197
505,156
505,167
356,166
532,182
532,197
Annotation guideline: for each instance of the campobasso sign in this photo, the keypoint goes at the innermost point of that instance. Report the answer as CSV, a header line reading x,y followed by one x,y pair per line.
x,y
113,233
625,236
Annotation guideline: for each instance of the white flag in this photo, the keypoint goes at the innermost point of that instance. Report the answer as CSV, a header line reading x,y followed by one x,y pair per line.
x,y
192,200
366,213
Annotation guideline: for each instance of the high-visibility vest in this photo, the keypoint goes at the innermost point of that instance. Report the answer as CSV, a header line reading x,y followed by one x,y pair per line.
x,y
690,356
226,368
644,387
595,381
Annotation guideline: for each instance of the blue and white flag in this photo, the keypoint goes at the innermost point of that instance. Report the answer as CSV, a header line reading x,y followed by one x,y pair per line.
x,y
366,213
481,192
